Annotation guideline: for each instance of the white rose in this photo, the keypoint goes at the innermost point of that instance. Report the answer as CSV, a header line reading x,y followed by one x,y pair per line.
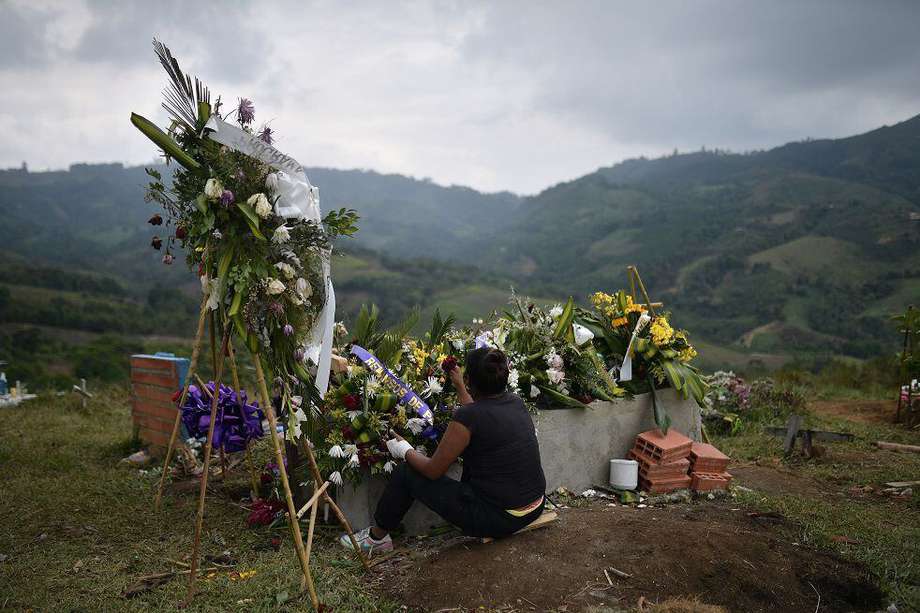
x,y
282,235
261,205
582,334
555,376
275,287
213,189
303,287
285,269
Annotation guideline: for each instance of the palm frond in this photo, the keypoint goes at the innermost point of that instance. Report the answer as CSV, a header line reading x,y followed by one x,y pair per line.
x,y
182,99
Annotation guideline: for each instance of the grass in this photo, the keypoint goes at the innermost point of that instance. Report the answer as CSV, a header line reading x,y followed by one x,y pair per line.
x,y
886,531
77,527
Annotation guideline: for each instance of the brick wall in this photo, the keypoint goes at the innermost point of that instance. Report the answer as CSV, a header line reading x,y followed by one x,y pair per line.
x,y
154,380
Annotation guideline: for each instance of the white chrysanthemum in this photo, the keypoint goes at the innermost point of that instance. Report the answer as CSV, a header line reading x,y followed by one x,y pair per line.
x,y
282,234
389,466
274,286
582,334
351,449
416,425
286,269
556,311
433,387
335,478
272,182
352,414
458,344
354,461
260,203
373,386
213,189
513,377
336,452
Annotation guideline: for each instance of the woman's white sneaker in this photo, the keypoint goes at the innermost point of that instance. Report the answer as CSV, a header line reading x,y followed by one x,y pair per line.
x,y
368,544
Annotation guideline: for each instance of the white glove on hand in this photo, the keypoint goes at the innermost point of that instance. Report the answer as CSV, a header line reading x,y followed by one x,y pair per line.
x,y
399,447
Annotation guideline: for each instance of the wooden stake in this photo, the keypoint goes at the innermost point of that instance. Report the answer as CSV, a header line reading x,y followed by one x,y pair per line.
x,y
648,301
318,478
193,365
199,522
254,479
289,497
313,499
310,543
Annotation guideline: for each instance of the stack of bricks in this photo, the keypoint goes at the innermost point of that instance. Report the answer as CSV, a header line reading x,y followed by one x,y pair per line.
x,y
708,468
154,380
662,459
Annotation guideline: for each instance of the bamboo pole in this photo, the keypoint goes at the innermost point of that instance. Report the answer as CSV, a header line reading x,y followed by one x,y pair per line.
x,y
313,510
317,477
193,365
648,301
199,522
312,500
289,497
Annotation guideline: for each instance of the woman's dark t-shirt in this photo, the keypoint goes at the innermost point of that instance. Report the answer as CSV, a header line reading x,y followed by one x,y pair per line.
x,y
502,461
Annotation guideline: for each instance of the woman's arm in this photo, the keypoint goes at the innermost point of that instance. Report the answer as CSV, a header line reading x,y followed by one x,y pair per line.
x,y
456,377
455,440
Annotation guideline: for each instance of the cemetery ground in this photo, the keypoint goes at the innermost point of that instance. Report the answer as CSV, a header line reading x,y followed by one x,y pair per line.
x,y
78,530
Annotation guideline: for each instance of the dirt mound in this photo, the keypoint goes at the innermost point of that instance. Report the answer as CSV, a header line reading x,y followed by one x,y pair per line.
x,y
722,556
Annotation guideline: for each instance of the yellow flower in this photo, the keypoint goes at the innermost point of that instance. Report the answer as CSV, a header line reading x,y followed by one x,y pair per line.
x,y
687,354
620,321
661,331
600,299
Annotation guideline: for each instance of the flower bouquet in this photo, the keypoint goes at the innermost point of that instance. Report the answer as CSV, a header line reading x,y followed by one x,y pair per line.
x,y
238,421
261,267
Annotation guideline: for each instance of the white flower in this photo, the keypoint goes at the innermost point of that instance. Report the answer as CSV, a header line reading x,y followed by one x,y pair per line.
x,y
554,360
286,269
272,182
352,414
336,452
373,386
555,312
303,288
416,425
458,344
261,205
297,401
274,286
216,234
513,378
534,391
282,234
434,387
213,294
389,466
555,376
335,478
354,461
582,334
213,189
350,449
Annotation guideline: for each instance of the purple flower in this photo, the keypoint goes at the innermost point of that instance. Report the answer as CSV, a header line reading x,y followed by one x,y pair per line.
x,y
267,135
226,198
245,112
288,330
298,355
276,308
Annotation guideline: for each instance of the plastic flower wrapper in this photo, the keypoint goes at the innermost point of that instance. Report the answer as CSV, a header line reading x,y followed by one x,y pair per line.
x,y
238,421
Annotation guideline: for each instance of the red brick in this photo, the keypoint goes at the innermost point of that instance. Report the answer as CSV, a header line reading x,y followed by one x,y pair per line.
x,y
153,423
153,364
169,381
167,413
664,486
663,447
705,482
705,458
153,393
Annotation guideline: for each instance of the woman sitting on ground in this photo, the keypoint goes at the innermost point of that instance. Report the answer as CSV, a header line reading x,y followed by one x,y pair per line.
x,y
502,487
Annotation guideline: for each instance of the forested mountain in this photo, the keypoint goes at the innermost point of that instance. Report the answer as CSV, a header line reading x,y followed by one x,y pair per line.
x,y
803,249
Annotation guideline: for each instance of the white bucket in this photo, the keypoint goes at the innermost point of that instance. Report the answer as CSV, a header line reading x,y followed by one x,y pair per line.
x,y
624,474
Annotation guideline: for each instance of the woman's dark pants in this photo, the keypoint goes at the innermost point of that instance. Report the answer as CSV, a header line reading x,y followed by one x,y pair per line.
x,y
455,501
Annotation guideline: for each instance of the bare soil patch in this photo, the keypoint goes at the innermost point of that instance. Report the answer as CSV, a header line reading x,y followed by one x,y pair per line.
x,y
776,480
864,411
711,551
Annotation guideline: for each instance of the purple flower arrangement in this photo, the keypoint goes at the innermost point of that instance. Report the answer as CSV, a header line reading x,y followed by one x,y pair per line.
x,y
238,421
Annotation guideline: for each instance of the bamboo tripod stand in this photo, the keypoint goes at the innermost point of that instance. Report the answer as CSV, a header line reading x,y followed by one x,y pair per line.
x,y
320,485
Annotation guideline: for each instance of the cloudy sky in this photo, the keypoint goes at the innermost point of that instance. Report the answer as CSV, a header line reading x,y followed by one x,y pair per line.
x,y
495,95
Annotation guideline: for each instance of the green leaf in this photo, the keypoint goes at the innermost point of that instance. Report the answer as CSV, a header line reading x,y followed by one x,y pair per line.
x,y
162,140
255,230
201,203
561,398
237,301
564,325
249,212
223,270
662,419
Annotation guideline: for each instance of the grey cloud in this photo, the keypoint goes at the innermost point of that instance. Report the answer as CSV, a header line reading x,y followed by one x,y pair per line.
x,y
22,36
